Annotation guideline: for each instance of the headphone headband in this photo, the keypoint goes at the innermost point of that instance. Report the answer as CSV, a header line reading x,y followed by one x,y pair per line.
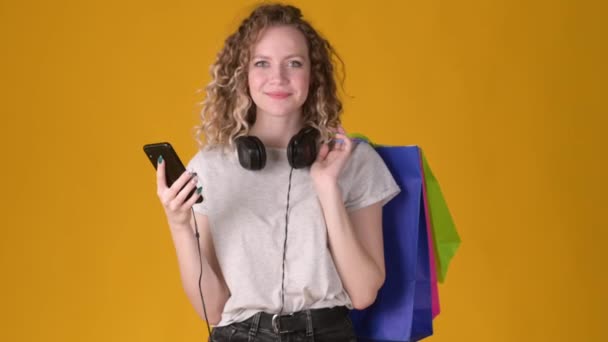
x,y
301,150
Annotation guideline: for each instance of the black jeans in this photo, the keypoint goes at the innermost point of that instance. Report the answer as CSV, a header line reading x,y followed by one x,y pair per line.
x,y
340,330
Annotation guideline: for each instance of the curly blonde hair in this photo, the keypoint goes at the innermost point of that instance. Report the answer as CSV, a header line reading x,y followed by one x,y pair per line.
x,y
228,110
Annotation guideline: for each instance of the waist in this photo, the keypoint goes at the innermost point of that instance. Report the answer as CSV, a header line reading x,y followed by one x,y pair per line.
x,y
301,320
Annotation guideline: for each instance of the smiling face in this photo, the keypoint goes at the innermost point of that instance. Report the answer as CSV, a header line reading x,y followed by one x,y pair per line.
x,y
279,71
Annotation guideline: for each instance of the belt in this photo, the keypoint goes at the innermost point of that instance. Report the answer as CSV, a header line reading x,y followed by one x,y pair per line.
x,y
298,321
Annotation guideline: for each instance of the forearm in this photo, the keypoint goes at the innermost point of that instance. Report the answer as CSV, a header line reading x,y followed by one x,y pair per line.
x,y
213,287
361,276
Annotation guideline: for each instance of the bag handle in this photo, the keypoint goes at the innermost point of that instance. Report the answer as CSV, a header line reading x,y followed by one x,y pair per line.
x,y
361,137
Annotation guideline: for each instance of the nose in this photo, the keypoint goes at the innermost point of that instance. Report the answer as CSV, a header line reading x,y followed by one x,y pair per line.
x,y
278,74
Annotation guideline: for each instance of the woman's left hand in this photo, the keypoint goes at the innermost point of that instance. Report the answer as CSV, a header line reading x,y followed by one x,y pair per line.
x,y
330,161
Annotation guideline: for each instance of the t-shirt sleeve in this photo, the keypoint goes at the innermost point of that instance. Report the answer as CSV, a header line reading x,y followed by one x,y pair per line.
x,y
366,180
197,164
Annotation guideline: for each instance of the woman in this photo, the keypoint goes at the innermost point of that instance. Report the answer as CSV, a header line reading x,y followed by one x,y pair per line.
x,y
291,222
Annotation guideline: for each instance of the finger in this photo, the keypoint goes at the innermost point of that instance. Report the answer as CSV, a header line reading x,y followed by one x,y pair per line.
x,y
336,144
185,191
323,151
175,202
346,143
333,132
179,183
161,181
192,200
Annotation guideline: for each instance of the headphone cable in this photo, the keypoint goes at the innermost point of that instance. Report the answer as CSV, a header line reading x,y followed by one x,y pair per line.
x,y
285,251
200,277
197,235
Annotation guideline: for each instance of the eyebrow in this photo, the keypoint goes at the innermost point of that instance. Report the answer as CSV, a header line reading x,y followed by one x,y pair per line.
x,y
286,57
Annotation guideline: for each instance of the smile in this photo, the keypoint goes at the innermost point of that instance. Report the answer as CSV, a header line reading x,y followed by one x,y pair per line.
x,y
278,95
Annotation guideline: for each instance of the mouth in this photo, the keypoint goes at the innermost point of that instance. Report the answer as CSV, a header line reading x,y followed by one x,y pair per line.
x,y
278,95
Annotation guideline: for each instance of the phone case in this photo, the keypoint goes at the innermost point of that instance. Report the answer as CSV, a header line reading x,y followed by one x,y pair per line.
x,y
174,167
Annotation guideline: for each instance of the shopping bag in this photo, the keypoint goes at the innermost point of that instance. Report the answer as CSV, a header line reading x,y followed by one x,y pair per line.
x,y
430,239
403,308
445,237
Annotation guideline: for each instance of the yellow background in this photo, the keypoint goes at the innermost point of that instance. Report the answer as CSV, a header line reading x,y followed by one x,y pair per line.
x,y
507,98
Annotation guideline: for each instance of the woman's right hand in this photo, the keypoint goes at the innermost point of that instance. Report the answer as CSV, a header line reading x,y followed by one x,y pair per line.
x,y
175,199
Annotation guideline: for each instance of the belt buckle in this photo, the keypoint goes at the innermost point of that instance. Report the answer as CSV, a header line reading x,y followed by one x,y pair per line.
x,y
275,324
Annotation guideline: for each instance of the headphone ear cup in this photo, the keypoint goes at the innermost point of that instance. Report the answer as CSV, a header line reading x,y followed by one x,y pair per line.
x,y
302,148
251,151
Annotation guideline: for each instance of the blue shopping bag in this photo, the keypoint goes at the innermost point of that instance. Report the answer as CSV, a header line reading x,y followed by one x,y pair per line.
x,y
403,308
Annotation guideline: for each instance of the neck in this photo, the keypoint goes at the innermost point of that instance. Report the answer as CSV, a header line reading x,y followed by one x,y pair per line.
x,y
275,132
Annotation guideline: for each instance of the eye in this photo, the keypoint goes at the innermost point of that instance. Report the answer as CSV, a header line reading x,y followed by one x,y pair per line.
x,y
260,64
295,64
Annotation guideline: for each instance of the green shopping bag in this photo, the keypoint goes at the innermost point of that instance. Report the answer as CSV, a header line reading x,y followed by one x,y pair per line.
x,y
446,238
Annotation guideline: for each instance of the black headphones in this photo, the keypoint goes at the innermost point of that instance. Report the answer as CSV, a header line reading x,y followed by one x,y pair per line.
x,y
301,150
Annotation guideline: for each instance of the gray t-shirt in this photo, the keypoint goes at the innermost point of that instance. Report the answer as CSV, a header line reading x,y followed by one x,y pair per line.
x,y
246,211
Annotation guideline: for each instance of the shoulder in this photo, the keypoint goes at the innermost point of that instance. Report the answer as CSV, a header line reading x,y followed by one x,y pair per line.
x,y
363,155
366,178
212,153
210,157
362,151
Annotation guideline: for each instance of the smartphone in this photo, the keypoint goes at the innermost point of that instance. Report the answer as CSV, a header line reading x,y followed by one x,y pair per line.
x,y
174,167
